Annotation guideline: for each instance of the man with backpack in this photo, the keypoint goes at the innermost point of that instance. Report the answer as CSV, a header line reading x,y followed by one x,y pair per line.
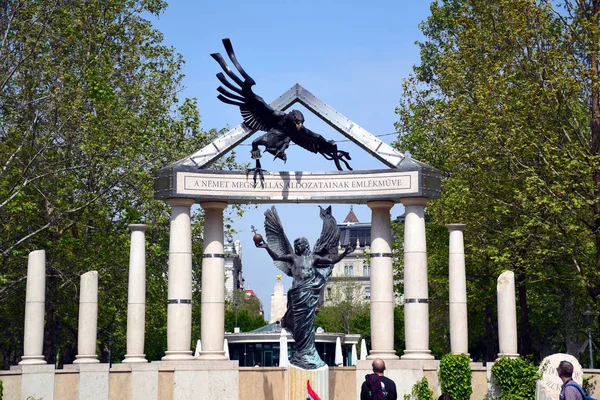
x,y
570,389
376,386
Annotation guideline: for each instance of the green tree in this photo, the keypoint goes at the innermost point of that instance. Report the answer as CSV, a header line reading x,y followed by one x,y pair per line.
x,y
89,108
500,103
244,310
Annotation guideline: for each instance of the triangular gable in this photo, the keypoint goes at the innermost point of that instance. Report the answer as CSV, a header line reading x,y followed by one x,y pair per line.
x,y
361,137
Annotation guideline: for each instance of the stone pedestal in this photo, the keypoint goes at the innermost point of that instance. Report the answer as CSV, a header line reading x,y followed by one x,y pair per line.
x,y
37,382
179,303
416,291
382,282
213,283
204,380
298,377
35,299
88,319
459,333
93,380
507,315
136,297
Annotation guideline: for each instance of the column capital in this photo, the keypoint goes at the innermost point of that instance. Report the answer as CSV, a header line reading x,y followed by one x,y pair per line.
x,y
414,201
180,201
137,227
385,204
455,227
219,205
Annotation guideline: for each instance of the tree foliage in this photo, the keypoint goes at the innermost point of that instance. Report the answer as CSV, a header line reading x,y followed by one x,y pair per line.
x,y
504,103
89,108
243,310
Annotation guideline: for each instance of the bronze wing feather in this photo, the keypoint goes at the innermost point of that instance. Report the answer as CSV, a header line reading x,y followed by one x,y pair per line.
x,y
277,240
257,114
328,242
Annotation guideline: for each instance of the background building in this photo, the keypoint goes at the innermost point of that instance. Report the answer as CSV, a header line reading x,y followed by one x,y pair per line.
x,y
351,277
233,267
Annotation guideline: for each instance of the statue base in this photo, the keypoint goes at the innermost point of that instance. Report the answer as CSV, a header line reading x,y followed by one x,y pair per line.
x,y
318,378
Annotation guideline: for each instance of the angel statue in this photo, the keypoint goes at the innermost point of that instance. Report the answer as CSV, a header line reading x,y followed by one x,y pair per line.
x,y
282,128
310,271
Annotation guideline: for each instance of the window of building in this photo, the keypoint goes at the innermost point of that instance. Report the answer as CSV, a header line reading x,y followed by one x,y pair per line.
x,y
367,292
366,270
348,270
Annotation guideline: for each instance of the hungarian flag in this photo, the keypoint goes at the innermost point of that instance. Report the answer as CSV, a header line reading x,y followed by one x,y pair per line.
x,y
310,394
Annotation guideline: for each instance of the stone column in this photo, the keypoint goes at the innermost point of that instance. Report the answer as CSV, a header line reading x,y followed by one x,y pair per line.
x,y
213,283
459,333
416,291
88,319
136,297
35,300
382,282
507,315
179,303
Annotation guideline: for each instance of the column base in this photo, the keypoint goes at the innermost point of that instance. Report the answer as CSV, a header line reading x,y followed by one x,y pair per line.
x,y
212,355
32,360
135,358
86,359
383,354
417,355
181,355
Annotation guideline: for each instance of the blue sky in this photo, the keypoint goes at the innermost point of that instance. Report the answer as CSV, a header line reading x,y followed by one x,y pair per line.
x,y
352,55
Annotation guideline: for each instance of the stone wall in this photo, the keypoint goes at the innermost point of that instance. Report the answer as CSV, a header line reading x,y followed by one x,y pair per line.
x,y
126,383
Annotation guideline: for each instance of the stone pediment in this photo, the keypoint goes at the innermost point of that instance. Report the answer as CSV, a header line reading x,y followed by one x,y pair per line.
x,y
192,177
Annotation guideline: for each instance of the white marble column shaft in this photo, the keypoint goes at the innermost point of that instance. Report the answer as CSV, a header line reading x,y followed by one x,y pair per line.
x,y
507,315
35,300
88,319
382,282
213,283
136,296
459,334
416,291
179,303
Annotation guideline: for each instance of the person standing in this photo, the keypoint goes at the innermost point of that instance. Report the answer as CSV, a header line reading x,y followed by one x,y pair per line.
x,y
570,389
376,386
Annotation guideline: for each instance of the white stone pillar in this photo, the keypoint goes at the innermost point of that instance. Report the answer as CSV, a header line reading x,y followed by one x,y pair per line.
x,y
459,333
507,315
382,282
416,291
35,300
88,319
136,297
179,304
213,283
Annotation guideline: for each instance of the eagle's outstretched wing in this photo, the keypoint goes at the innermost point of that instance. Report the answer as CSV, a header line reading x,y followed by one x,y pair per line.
x,y
277,240
257,114
316,143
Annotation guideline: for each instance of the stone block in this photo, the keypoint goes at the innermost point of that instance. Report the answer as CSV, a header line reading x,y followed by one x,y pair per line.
x,y
37,381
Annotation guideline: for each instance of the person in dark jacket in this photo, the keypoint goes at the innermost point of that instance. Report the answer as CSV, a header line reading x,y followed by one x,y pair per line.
x,y
376,386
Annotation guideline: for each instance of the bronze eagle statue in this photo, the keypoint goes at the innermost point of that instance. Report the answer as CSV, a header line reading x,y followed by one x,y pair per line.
x,y
281,128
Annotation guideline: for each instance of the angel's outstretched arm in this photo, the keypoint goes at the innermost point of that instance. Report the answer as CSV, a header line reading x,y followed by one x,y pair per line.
x,y
275,256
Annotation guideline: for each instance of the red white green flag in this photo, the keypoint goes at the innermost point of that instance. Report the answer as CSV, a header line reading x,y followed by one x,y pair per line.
x,y
310,394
